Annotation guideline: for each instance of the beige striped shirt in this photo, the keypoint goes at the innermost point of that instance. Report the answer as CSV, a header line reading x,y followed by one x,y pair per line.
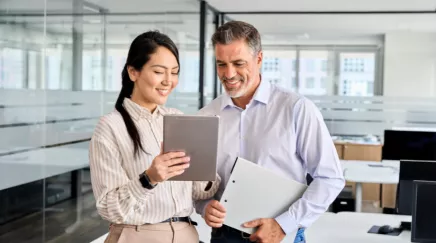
x,y
120,197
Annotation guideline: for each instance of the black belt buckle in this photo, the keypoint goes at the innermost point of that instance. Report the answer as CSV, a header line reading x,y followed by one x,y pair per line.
x,y
181,219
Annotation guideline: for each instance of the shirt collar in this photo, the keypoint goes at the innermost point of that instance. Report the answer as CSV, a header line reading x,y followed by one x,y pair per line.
x,y
137,112
263,92
262,95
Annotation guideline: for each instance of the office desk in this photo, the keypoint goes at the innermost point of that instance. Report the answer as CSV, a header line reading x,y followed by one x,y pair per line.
x,y
22,168
343,227
352,227
360,172
18,169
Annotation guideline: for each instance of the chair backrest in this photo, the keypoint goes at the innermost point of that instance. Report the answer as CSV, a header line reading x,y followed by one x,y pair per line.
x,y
411,170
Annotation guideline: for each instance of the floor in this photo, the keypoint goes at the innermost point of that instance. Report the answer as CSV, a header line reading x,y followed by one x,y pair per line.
x,y
55,226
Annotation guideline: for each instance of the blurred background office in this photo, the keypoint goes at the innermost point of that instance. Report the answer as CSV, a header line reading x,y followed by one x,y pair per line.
x,y
370,66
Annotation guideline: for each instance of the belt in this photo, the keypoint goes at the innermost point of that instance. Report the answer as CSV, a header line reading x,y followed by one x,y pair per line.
x,y
180,219
173,219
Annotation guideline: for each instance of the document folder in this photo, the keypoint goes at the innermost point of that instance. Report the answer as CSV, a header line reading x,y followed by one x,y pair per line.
x,y
254,192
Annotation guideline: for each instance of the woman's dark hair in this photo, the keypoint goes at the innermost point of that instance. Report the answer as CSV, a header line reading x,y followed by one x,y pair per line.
x,y
142,47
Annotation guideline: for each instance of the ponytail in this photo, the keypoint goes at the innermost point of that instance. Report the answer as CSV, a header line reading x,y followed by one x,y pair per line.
x,y
126,92
141,49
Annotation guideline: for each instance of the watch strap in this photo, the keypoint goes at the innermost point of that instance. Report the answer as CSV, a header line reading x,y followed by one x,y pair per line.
x,y
145,181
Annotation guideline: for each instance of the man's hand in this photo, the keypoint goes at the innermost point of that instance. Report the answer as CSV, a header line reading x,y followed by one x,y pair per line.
x,y
269,231
214,214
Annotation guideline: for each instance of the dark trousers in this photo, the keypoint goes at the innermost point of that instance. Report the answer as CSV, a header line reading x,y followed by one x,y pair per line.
x,y
226,234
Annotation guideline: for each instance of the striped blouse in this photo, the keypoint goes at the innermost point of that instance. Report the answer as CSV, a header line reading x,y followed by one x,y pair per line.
x,y
120,197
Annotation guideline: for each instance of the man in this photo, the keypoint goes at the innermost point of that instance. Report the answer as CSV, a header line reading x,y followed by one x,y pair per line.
x,y
274,128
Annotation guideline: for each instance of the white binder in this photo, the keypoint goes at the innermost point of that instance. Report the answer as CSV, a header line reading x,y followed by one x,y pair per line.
x,y
254,192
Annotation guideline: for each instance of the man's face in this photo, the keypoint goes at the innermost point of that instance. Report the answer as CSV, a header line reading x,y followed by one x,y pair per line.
x,y
238,67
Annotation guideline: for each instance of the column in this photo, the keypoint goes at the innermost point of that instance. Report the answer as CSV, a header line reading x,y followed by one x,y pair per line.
x,y
77,44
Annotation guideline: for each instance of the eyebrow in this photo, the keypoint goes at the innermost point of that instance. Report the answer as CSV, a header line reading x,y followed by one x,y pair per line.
x,y
161,66
238,60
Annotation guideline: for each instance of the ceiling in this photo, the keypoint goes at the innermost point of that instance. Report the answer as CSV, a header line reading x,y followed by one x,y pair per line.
x,y
114,6
284,28
323,5
302,27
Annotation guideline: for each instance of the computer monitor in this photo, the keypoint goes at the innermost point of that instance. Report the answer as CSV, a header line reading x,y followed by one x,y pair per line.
x,y
424,211
411,170
409,145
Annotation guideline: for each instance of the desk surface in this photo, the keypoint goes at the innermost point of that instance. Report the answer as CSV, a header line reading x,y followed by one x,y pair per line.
x,y
386,172
333,228
18,169
353,227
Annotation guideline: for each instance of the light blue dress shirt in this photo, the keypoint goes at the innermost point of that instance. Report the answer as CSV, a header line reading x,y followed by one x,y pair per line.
x,y
285,132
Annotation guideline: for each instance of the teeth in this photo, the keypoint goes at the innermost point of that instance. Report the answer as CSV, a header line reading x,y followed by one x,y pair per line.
x,y
233,82
163,91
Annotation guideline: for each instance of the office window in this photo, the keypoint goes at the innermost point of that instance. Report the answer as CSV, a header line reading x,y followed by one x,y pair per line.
x,y
369,88
12,68
324,65
357,73
33,69
116,58
323,84
320,65
294,82
310,65
310,83
274,81
277,67
271,64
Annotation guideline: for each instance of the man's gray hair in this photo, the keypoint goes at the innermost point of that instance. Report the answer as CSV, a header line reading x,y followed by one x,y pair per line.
x,y
238,30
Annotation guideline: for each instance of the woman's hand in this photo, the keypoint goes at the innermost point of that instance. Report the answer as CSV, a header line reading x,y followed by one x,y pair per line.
x,y
167,165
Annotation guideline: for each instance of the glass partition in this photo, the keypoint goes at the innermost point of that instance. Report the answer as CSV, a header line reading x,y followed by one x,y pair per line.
x,y
60,71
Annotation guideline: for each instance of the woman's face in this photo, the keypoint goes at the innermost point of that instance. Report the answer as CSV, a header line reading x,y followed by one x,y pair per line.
x,y
155,81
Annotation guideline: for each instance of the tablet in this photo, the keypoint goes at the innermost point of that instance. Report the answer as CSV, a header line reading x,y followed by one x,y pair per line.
x,y
197,136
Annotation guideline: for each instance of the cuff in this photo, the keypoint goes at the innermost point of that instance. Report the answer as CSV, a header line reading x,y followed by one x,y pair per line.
x,y
138,191
287,222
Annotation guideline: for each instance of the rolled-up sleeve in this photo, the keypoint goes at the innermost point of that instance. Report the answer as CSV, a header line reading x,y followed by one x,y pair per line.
x,y
202,190
116,195
317,151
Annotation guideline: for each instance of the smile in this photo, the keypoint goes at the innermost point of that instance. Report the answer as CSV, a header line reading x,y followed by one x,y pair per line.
x,y
232,81
163,92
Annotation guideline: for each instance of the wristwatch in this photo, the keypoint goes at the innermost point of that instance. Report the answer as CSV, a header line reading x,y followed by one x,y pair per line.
x,y
145,181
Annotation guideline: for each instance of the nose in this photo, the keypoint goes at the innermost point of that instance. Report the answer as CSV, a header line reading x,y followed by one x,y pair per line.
x,y
168,79
229,71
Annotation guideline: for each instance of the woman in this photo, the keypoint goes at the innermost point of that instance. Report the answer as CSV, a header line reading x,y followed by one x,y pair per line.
x,y
129,172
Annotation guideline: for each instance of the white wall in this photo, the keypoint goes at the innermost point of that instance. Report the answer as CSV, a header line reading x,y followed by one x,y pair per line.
x,y
410,64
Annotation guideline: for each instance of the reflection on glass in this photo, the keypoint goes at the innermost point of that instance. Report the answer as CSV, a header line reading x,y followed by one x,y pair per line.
x,y
11,68
59,74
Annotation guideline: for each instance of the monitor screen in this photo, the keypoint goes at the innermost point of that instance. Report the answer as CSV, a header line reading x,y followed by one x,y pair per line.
x,y
409,145
424,212
412,170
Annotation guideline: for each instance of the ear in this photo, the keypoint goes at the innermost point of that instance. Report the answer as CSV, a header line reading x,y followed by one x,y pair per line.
x,y
133,73
259,59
